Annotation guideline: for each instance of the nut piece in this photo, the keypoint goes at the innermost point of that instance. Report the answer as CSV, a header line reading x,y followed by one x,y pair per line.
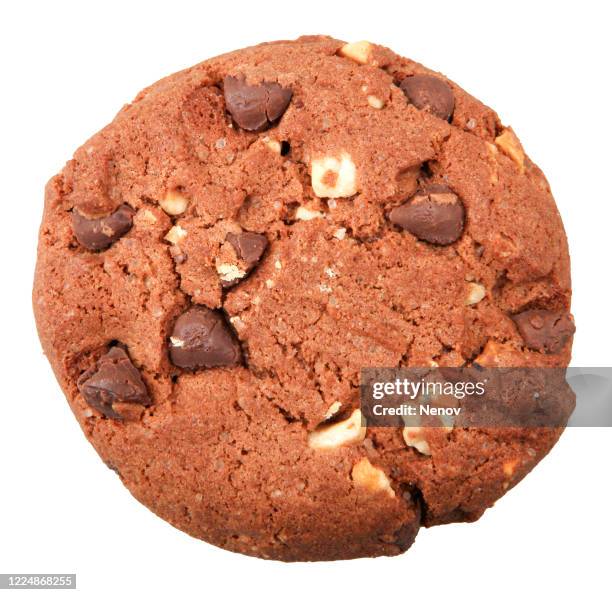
x,y
371,478
334,177
508,142
306,214
492,155
375,102
333,409
174,203
349,431
496,354
509,467
413,436
229,272
360,51
175,235
272,144
476,293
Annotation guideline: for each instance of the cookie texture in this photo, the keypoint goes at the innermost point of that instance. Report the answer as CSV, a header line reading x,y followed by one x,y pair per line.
x,y
217,265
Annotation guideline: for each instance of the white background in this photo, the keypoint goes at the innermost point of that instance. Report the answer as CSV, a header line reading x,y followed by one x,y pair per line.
x,y
68,68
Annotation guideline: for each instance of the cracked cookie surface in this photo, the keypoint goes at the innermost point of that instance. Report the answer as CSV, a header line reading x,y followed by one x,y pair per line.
x,y
218,264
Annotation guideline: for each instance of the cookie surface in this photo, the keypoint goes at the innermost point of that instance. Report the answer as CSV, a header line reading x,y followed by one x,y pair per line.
x,y
218,264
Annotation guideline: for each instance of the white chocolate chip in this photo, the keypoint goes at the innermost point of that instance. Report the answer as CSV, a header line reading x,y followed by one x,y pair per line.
x,y
175,235
278,265
413,437
333,409
340,233
375,102
342,433
269,283
334,177
174,203
508,142
360,51
305,214
229,272
323,288
371,478
476,293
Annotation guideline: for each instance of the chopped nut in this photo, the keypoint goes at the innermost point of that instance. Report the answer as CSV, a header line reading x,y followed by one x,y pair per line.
x,y
333,409
342,433
174,203
340,233
237,323
493,152
495,353
147,217
306,214
272,144
371,478
508,142
509,467
175,235
375,102
360,51
334,177
230,272
476,292
413,436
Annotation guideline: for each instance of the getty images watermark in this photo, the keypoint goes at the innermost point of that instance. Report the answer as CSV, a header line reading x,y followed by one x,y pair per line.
x,y
37,581
487,397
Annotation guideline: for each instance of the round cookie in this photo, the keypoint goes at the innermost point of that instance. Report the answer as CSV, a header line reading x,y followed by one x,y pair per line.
x,y
218,264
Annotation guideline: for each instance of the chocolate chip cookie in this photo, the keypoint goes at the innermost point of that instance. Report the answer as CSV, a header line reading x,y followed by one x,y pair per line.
x,y
219,263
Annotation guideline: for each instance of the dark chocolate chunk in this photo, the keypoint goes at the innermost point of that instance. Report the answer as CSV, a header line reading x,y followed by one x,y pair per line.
x,y
434,214
202,339
113,379
429,93
544,330
249,246
101,232
255,107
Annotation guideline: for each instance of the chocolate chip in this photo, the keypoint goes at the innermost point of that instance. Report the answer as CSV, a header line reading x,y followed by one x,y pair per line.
x,y
255,107
113,379
201,339
544,330
99,233
249,246
429,93
434,214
